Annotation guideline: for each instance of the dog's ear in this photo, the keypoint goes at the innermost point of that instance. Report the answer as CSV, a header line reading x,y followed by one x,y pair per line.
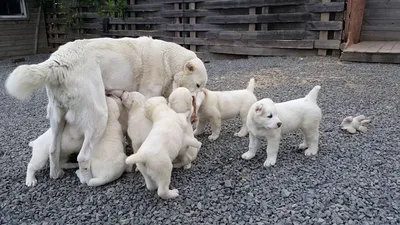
x,y
189,68
259,109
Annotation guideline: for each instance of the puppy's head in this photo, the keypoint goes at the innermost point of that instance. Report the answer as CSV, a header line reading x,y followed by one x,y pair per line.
x,y
193,77
265,114
133,99
113,109
180,100
152,104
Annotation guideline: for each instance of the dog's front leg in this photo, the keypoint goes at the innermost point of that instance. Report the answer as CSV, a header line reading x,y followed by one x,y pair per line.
x,y
57,123
272,148
215,123
254,145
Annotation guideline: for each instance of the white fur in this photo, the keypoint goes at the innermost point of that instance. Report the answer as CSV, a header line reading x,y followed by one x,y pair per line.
x,y
78,73
354,124
222,105
163,144
108,161
271,120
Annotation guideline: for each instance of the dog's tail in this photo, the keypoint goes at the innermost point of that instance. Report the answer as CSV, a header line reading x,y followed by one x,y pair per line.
x,y
26,79
252,84
138,157
312,96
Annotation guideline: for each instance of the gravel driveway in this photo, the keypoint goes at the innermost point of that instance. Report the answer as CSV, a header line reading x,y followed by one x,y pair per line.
x,y
354,179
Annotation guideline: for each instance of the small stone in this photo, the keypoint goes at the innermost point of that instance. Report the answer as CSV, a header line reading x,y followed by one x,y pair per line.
x,y
199,205
228,183
285,193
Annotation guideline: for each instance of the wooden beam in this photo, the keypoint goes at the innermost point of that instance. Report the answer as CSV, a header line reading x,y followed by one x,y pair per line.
x,y
323,35
354,20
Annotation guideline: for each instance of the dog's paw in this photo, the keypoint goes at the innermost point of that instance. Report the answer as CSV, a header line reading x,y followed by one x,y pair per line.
x,y
240,134
188,166
213,137
248,155
56,173
303,146
172,194
80,176
310,152
269,162
30,181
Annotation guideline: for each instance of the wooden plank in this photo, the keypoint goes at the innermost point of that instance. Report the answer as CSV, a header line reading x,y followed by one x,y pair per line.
x,y
325,25
186,13
182,1
359,47
375,47
136,33
265,10
252,26
244,4
296,44
176,8
42,40
323,35
380,36
192,21
396,48
382,4
382,14
326,7
382,27
144,7
239,50
263,35
20,37
370,57
327,44
387,47
270,18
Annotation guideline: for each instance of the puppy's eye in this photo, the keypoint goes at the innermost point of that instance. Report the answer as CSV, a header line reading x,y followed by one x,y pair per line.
x,y
270,115
198,85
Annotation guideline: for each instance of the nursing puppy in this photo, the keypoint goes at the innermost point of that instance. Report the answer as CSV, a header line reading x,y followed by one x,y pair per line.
x,y
223,105
163,144
180,101
271,120
78,73
108,161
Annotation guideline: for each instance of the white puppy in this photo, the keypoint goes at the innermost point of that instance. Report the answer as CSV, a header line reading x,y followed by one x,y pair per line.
x,y
71,142
223,105
163,144
108,161
271,120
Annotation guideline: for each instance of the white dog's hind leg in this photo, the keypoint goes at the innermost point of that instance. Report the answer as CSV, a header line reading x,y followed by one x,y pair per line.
x,y
304,145
192,142
312,136
38,161
57,127
243,131
254,145
162,176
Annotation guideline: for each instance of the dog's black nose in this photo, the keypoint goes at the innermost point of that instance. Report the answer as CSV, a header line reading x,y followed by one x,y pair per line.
x,y
279,124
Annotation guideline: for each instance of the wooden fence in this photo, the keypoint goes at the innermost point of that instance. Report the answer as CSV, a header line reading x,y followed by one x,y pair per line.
x,y
215,27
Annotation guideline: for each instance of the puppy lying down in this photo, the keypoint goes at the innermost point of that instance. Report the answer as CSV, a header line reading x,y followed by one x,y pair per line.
x,y
71,142
108,160
139,126
163,144
271,120
222,105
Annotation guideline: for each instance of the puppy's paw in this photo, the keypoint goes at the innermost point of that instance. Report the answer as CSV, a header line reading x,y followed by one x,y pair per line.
x,y
240,134
213,137
310,152
80,176
56,173
30,181
269,162
188,166
171,194
248,155
303,146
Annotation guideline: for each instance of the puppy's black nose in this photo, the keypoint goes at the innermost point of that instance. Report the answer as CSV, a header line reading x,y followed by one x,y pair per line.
x,y
279,124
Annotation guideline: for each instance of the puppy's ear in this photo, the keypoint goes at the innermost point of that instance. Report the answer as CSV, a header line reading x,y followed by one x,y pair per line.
x,y
259,109
189,68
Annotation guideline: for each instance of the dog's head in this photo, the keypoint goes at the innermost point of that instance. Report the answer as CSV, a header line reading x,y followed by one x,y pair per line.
x,y
193,77
264,113
133,99
180,100
113,109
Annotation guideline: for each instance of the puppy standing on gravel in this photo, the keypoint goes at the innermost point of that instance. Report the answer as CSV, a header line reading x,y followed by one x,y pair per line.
x,y
223,105
271,120
108,161
163,144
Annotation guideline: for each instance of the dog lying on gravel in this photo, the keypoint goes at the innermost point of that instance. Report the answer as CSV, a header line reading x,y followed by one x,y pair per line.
x,y
78,73
108,161
222,105
271,120
163,144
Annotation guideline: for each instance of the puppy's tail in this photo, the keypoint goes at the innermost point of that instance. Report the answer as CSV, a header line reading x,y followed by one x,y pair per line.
x,y
312,96
252,84
136,158
26,79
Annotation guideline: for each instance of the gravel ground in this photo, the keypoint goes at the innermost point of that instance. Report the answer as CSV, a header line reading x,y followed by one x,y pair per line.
x,y
354,179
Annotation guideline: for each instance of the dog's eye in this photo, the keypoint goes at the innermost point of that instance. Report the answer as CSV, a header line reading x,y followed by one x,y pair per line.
x,y
270,115
198,85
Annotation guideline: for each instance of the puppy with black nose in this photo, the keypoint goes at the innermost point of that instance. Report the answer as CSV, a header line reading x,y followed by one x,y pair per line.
x,y
270,120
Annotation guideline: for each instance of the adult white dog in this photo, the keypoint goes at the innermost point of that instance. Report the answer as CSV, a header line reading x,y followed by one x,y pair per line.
x,y
271,120
222,105
163,144
78,73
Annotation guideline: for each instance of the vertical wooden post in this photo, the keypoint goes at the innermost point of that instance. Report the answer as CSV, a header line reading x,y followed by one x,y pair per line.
x,y
354,19
265,10
323,35
252,26
176,7
192,20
